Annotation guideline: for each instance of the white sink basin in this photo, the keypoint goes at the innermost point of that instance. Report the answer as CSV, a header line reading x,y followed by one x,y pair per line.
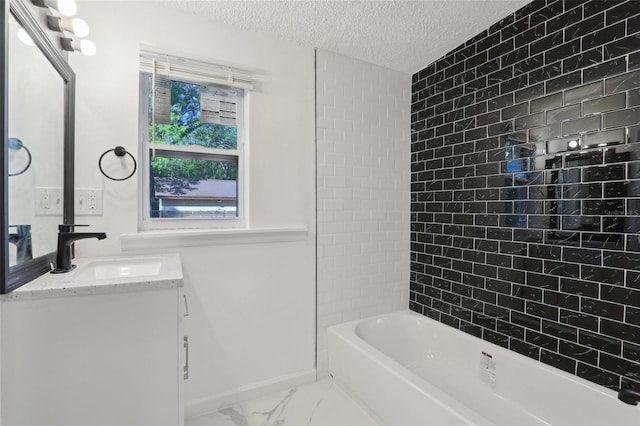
x,y
120,268
125,269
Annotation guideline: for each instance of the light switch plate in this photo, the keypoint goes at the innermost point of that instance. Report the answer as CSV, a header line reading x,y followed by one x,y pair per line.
x,y
49,201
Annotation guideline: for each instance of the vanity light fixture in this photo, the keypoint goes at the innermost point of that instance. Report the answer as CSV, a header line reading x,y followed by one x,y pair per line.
x,y
76,26
65,7
87,47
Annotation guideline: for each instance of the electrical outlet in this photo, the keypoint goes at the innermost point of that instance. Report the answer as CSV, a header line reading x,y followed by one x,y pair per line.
x,y
92,202
49,201
45,200
88,201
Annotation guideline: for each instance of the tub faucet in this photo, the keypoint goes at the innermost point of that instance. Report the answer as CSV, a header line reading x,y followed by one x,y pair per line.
x,y
629,396
21,238
66,237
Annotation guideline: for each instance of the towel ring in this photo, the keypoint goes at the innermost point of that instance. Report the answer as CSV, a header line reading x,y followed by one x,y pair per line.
x,y
16,144
119,151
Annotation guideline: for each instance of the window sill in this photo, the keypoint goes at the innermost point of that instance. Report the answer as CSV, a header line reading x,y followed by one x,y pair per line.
x,y
209,237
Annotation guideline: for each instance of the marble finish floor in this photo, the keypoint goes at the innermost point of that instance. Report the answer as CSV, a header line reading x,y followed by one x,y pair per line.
x,y
321,403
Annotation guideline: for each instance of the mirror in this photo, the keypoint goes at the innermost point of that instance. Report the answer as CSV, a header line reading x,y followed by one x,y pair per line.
x,y
38,150
36,124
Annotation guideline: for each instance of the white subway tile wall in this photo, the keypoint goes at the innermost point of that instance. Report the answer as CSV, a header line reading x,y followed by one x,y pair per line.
x,y
363,194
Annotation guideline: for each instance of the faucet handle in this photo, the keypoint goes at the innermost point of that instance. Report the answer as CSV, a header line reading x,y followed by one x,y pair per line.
x,y
68,227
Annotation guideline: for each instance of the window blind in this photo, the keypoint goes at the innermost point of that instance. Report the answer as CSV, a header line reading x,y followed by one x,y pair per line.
x,y
165,67
193,70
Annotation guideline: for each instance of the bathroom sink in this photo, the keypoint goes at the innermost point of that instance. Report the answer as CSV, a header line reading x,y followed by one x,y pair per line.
x,y
120,268
125,269
105,275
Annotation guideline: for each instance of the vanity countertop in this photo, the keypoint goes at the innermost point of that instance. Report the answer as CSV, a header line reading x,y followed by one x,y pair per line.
x,y
105,275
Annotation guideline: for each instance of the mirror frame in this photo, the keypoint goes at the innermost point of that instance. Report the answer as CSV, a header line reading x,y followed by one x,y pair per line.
x,y
18,275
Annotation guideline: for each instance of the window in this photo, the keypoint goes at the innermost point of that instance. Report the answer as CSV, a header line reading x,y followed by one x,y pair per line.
x,y
193,143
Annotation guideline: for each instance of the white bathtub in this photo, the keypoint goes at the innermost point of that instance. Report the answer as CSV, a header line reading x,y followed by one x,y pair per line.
x,y
411,370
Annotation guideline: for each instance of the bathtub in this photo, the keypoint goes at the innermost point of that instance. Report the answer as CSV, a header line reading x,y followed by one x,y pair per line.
x,y
410,370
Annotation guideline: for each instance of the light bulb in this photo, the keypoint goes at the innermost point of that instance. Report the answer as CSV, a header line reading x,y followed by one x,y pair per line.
x,y
76,26
67,7
25,38
80,27
87,47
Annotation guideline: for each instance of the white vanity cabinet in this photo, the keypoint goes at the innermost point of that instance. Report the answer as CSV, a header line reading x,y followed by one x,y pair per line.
x,y
94,358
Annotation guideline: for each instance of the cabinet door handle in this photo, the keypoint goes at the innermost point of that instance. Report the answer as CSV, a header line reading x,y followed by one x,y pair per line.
x,y
186,306
186,360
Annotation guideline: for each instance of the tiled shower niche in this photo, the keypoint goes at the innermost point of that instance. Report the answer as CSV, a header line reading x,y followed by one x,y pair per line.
x,y
525,223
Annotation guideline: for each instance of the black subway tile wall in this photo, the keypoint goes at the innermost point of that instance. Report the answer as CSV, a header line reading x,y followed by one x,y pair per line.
x,y
525,187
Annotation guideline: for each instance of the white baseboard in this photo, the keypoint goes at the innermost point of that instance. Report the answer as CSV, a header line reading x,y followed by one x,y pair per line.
x,y
246,393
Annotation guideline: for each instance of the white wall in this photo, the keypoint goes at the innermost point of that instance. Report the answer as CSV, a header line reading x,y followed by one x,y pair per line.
x,y
252,305
363,156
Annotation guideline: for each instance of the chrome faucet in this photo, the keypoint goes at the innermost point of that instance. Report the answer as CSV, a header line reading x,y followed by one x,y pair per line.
x,y
66,237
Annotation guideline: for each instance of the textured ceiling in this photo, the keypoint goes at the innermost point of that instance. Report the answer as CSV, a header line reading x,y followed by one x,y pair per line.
x,y
405,35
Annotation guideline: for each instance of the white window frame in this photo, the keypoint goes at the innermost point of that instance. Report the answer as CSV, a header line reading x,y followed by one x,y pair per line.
x,y
146,148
